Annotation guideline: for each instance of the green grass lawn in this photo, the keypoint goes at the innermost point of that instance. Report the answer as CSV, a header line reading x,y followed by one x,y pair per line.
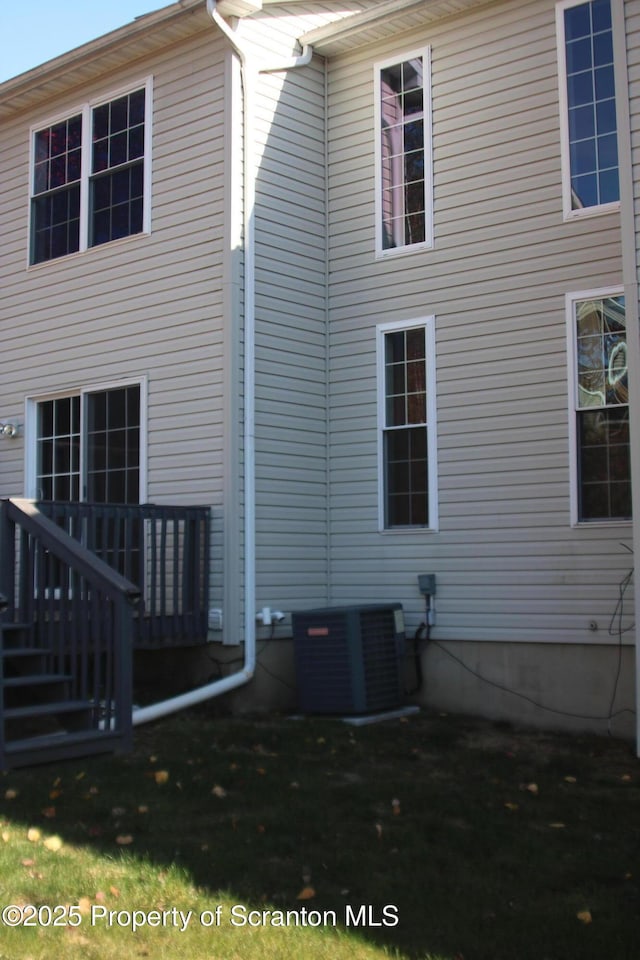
x,y
432,837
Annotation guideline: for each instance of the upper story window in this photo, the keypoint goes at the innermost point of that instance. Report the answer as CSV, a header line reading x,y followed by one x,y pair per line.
x,y
90,176
404,219
599,412
407,429
588,107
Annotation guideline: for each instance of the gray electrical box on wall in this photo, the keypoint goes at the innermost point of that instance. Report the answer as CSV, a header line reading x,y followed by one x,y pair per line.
x,y
427,584
349,659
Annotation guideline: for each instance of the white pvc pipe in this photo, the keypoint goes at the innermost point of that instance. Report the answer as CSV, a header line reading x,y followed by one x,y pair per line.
x,y
292,63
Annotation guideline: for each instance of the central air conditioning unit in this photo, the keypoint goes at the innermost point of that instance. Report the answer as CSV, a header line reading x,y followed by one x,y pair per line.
x,y
349,659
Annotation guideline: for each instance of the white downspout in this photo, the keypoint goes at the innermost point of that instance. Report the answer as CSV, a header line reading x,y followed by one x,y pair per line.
x,y
224,684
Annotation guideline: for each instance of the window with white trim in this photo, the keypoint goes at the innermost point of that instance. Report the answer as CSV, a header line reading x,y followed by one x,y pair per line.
x,y
407,430
599,412
404,218
588,107
90,176
87,446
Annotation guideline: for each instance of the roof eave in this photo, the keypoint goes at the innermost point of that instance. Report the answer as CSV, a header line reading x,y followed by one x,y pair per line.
x,y
365,27
28,88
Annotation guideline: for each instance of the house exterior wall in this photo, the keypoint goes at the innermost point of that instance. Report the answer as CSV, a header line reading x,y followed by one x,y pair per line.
x,y
632,25
149,306
524,599
291,548
509,566
291,373
630,81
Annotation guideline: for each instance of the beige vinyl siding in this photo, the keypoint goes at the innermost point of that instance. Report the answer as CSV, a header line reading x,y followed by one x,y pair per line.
x,y
147,306
507,562
291,508
632,20
291,487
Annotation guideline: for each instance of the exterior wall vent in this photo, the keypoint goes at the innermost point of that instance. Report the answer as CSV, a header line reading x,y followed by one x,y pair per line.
x,y
349,659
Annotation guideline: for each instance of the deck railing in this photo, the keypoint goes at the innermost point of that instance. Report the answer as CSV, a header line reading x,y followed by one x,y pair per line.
x,y
163,549
74,610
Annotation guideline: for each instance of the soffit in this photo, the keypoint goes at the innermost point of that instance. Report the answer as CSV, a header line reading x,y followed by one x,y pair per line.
x,y
380,20
146,35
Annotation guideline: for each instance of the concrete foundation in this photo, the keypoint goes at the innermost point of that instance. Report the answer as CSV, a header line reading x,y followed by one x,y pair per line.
x,y
569,687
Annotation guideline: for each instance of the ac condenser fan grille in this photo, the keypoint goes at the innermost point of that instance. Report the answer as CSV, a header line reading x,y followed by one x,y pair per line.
x,y
348,659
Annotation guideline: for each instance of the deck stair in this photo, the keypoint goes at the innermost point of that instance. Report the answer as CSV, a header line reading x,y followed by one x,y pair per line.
x,y
65,652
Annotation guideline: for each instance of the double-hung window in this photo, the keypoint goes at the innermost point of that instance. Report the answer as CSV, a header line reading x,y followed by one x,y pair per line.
x,y
403,197
406,422
588,107
599,407
90,176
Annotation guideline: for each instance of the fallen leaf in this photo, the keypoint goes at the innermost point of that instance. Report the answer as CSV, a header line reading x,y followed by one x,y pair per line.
x,y
33,834
81,775
124,839
10,794
114,891
49,812
512,806
626,777
54,794
118,811
378,830
219,791
584,916
395,804
557,826
161,776
100,896
570,780
27,862
84,904
93,791
307,893
143,808
53,843
152,758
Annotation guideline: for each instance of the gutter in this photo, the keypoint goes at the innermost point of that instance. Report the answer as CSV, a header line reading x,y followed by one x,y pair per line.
x,y
249,77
